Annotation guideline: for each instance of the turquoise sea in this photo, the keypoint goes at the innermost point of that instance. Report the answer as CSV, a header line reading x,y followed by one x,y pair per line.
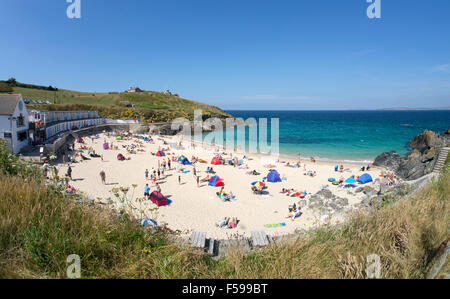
x,y
348,135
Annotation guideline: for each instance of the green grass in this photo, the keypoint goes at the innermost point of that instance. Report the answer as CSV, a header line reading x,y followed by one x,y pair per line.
x,y
157,107
40,226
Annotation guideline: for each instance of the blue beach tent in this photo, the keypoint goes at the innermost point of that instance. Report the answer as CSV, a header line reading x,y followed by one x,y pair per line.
x,y
273,176
183,160
350,181
365,178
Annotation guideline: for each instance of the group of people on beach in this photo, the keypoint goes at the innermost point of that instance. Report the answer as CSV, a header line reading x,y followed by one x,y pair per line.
x,y
228,223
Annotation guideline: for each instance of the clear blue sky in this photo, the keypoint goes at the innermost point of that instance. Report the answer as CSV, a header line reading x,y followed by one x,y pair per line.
x,y
237,54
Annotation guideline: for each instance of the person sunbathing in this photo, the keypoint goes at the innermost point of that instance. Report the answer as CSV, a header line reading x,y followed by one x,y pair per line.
x,y
206,179
233,223
223,223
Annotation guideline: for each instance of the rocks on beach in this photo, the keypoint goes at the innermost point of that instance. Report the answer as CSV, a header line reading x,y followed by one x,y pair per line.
x,y
421,160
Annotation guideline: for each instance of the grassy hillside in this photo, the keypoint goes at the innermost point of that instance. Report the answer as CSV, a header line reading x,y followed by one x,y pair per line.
x,y
148,106
40,226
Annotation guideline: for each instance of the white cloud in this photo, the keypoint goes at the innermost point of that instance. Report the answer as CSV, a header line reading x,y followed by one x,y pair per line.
x,y
442,68
272,97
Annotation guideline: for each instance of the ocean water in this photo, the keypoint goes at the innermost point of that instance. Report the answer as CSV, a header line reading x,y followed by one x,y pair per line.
x,y
348,135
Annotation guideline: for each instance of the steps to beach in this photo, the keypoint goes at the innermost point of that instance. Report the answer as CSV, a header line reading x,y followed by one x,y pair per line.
x,y
443,154
212,251
259,238
198,240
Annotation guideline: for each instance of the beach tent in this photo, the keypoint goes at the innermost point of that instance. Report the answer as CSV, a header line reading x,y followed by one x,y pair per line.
x,y
215,181
120,157
350,181
365,178
273,176
160,154
106,146
158,199
119,137
183,160
216,161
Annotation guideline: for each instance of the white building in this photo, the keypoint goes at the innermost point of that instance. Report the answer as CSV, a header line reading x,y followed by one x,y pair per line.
x,y
14,122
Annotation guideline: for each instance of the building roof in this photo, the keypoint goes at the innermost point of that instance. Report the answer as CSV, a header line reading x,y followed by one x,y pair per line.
x,y
8,103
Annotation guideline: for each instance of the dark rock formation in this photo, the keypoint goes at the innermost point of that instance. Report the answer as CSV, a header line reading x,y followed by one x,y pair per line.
x,y
425,150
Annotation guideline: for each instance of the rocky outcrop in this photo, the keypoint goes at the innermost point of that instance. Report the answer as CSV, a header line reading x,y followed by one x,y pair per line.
x,y
425,150
326,200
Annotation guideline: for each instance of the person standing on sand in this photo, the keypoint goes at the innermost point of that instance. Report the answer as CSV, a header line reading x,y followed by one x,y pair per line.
x,y
146,190
179,180
103,177
198,181
146,174
168,163
69,172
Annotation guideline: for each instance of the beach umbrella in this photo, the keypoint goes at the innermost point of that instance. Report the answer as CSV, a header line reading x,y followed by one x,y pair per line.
x,y
259,185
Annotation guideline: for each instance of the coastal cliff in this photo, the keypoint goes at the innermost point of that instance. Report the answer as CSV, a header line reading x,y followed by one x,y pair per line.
x,y
420,161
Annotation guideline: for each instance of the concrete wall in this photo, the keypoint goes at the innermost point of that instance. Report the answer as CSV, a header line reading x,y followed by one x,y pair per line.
x,y
58,145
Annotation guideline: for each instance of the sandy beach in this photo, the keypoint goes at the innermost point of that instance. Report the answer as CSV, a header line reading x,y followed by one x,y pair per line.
x,y
194,208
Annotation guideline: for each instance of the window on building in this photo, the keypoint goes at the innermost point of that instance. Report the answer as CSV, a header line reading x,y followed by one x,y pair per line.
x,y
22,136
20,121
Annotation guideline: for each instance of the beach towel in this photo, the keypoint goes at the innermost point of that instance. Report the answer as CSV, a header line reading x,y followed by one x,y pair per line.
x,y
148,221
275,225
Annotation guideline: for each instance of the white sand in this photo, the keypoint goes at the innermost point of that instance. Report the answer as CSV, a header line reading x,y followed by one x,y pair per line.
x,y
199,209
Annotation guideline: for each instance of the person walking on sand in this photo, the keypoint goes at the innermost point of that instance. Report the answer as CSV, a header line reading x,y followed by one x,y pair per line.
x,y
103,177
146,174
198,181
179,180
168,163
